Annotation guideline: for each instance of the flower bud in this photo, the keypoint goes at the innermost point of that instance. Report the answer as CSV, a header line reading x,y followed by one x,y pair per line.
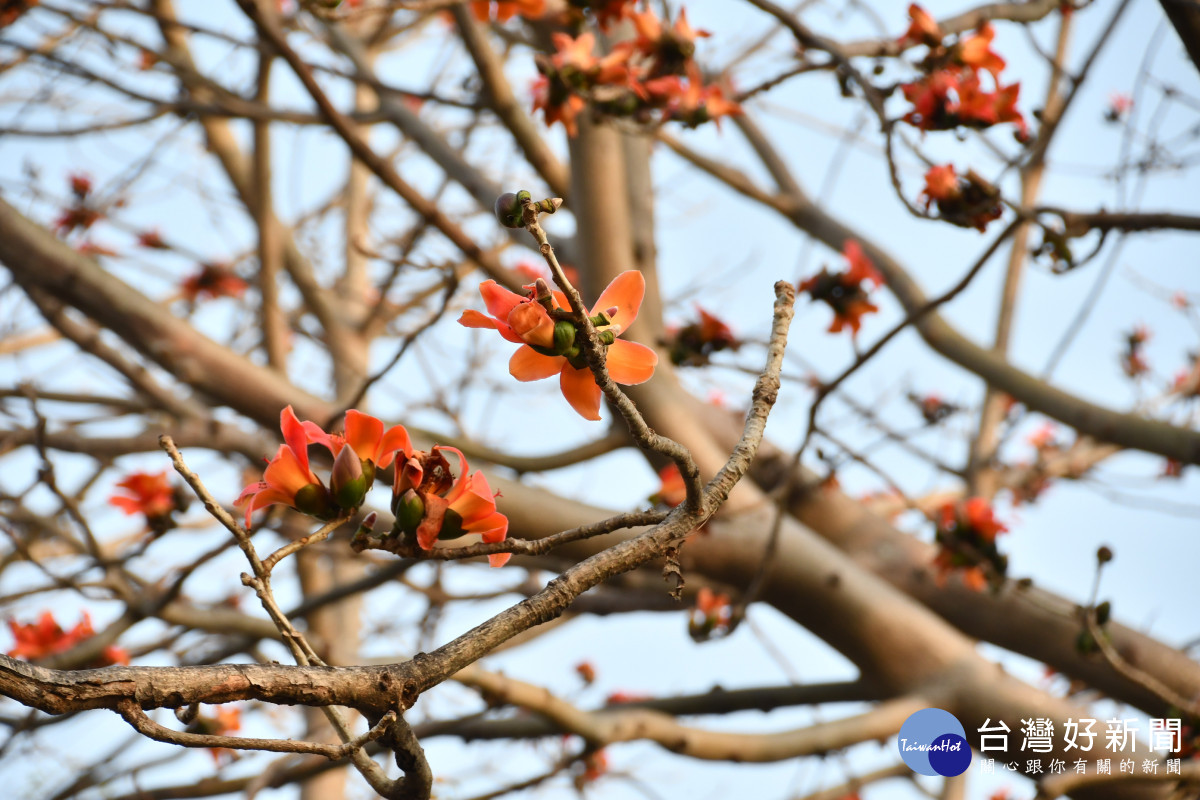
x,y
509,209
314,500
564,336
409,509
451,525
348,482
1104,554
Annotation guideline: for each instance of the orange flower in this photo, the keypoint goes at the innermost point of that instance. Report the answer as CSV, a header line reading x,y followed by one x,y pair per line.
x,y
976,52
557,104
212,281
941,183
430,503
712,612
46,638
671,491
843,291
152,495
628,362
288,478
504,10
966,537
923,29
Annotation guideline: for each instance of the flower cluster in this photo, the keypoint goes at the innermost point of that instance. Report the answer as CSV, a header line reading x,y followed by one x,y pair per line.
x,y
951,91
650,79
967,201
693,344
550,341
225,721
844,291
711,614
36,640
429,502
81,214
966,538
212,281
152,496
1133,357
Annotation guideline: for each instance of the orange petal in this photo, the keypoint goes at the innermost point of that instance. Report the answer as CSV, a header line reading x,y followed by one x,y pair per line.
x,y
529,365
363,434
581,391
295,435
474,504
499,559
625,293
473,319
394,441
630,363
286,473
499,301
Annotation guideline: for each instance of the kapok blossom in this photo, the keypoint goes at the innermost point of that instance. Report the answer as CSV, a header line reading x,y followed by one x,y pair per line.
x,y
672,490
966,536
504,10
148,494
966,201
212,281
712,612
844,291
430,503
550,342
37,640
289,478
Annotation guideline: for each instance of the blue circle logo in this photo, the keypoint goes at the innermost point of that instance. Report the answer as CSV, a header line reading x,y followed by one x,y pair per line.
x,y
933,742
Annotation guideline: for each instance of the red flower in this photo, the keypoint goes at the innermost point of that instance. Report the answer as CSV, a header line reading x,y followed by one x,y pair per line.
x,y
843,291
557,105
429,502
504,10
151,495
712,612
586,671
525,320
212,281
672,490
976,52
941,183
46,638
966,536
922,30
290,480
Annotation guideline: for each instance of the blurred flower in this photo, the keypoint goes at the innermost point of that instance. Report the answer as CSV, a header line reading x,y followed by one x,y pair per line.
x,y
922,30
671,491
151,495
504,10
212,281
45,637
711,613
844,291
966,537
1119,106
969,201
586,672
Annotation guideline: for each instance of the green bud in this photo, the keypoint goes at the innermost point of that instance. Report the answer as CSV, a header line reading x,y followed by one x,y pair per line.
x,y
509,211
606,337
451,525
314,500
348,482
564,336
1103,612
409,509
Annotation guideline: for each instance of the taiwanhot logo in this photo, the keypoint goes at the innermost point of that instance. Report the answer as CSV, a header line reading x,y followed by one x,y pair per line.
x,y
933,742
